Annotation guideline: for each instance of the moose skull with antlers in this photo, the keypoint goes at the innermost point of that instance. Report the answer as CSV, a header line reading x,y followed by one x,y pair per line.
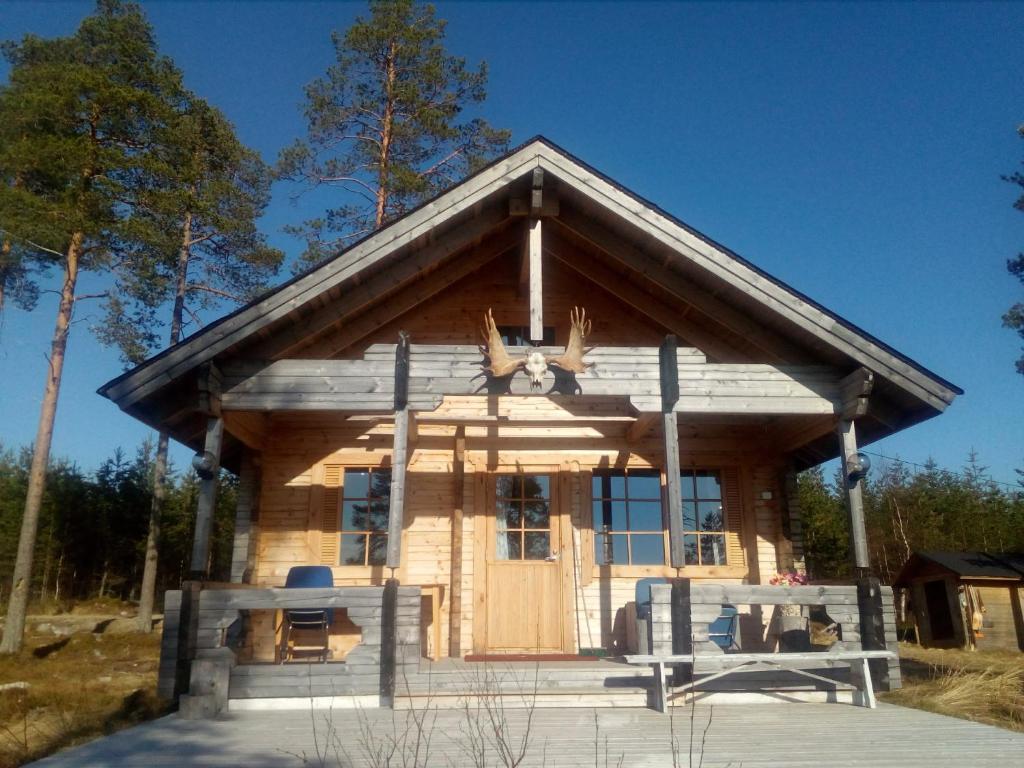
x,y
501,364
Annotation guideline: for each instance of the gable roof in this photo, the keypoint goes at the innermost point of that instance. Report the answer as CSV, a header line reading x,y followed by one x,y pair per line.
x,y
982,565
629,215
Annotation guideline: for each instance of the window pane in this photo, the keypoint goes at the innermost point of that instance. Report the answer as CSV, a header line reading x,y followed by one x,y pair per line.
x,y
689,516
378,548
357,483
507,486
712,550
354,515
538,546
644,484
645,515
509,513
515,546
609,485
710,515
648,549
353,549
380,483
379,512
537,514
536,487
686,487
620,550
690,549
709,485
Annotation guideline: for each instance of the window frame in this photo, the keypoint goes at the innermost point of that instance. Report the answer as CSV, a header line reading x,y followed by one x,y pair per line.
x,y
691,474
728,571
628,532
366,565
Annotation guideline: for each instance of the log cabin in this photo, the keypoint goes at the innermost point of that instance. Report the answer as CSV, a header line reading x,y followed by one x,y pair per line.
x,y
516,401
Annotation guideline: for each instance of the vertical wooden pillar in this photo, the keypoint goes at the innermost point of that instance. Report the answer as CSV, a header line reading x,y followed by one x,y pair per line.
x,y
388,642
207,499
399,454
535,246
669,376
854,498
243,551
455,589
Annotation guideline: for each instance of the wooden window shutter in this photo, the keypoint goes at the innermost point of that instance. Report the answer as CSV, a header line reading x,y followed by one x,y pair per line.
x,y
330,515
733,504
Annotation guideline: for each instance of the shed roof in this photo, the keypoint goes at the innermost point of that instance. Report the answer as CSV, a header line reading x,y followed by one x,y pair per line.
x,y
979,565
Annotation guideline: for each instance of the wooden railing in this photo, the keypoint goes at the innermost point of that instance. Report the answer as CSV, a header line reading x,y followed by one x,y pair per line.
x,y
760,610
197,638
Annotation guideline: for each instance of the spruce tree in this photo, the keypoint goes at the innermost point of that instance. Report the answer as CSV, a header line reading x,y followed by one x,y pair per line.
x,y
78,119
386,124
1014,317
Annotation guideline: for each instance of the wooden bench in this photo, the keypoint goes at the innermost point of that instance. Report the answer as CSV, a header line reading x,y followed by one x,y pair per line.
x,y
724,664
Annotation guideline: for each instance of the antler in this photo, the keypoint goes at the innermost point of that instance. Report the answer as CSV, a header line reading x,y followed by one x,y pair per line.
x,y
499,363
572,359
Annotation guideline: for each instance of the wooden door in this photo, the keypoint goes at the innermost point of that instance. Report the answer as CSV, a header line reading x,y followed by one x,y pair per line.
x,y
523,598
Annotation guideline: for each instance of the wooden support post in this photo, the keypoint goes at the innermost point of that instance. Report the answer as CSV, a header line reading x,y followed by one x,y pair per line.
x,y
536,283
669,375
854,498
455,589
207,498
388,642
399,454
243,552
682,630
188,631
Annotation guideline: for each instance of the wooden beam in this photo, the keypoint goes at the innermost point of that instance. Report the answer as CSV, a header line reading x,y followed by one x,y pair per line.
x,y
669,381
672,320
684,290
520,206
399,457
207,499
458,507
854,391
536,283
355,326
210,385
537,193
286,341
638,429
854,497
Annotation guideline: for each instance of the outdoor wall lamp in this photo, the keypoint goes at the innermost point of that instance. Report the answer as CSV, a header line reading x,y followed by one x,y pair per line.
x,y
857,467
203,463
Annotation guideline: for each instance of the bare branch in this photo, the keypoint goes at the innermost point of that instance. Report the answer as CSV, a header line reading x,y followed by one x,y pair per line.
x,y
214,291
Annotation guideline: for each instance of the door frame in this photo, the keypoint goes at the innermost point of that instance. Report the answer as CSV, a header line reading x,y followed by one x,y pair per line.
x,y
485,531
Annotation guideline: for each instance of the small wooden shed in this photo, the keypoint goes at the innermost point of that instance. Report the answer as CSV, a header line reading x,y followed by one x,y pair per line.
x,y
966,599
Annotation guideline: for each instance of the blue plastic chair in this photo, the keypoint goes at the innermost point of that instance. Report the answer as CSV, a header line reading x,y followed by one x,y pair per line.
x,y
722,631
304,577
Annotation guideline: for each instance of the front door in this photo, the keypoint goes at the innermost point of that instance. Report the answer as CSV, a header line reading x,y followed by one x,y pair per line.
x,y
523,595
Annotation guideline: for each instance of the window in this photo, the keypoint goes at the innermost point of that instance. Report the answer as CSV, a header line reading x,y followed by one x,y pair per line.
x,y
628,522
703,517
519,335
366,499
523,517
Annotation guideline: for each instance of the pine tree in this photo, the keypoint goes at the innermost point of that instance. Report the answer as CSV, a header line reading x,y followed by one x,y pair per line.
x,y
78,118
196,246
385,124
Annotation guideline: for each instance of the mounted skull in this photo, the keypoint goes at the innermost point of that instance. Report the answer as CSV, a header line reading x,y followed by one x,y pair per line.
x,y
535,363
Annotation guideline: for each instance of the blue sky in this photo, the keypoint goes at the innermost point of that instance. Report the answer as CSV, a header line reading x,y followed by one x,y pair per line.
x,y
852,150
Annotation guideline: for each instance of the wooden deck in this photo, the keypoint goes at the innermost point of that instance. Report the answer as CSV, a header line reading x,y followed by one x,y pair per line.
x,y
782,736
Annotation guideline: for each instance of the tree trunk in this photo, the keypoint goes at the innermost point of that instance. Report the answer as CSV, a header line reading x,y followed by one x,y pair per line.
x,y
17,607
56,583
5,252
147,592
386,133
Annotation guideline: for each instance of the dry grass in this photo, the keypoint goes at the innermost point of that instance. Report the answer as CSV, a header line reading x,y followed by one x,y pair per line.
x,y
80,686
985,686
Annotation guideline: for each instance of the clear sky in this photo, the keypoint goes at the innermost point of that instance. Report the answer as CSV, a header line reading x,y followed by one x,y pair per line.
x,y
851,150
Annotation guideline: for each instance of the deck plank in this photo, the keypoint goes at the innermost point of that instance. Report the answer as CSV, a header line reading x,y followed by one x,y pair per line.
x,y
773,736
